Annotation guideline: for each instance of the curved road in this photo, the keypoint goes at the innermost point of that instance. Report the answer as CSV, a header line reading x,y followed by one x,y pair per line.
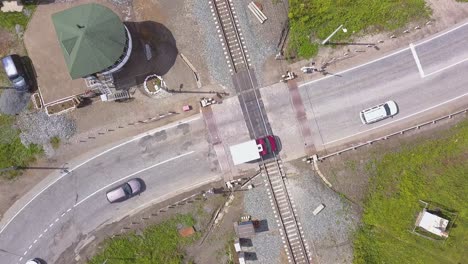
x,y
76,204
430,74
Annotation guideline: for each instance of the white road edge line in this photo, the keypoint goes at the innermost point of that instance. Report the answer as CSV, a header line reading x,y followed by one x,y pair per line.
x,y
408,116
442,34
416,59
133,174
356,67
96,156
445,68
384,57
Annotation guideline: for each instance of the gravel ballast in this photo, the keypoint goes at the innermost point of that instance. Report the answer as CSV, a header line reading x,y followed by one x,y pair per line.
x,y
329,233
266,245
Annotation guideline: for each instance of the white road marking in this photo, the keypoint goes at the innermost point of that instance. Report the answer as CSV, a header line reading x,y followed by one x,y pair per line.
x,y
68,210
445,68
51,225
131,175
96,156
40,236
398,120
356,67
35,241
442,34
45,230
416,59
26,252
384,57
181,190
62,215
56,220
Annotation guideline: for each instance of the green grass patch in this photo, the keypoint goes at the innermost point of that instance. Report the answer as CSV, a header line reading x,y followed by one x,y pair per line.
x,y
158,244
435,171
312,20
12,151
55,142
9,20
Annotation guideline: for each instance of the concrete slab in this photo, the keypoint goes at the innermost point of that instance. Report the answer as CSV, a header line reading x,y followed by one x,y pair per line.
x,y
282,122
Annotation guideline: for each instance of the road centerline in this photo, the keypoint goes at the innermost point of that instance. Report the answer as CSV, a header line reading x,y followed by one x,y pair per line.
x,y
94,157
131,175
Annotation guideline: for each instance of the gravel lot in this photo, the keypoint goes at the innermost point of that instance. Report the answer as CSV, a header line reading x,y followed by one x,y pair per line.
x,y
38,128
13,102
266,245
329,234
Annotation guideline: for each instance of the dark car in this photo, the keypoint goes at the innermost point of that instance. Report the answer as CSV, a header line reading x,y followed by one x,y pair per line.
x,y
16,72
124,191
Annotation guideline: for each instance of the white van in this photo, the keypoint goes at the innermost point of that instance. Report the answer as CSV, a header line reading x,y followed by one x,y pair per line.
x,y
378,112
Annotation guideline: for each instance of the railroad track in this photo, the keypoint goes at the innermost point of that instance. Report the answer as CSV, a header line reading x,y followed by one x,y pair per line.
x,y
296,250
238,62
229,34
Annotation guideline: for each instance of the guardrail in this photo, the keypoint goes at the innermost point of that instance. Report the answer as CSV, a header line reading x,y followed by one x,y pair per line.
x,y
401,132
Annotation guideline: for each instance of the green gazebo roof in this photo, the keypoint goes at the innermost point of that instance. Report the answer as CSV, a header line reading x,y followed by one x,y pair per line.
x,y
91,36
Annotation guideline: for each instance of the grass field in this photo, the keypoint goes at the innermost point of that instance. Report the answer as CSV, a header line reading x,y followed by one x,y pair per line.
x,y
158,244
12,151
313,20
436,171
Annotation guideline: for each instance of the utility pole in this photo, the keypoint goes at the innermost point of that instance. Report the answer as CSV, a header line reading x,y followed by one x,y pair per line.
x,y
332,34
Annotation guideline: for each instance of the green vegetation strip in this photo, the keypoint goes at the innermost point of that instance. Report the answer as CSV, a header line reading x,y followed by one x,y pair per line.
x,y
435,171
157,244
313,20
12,151
10,19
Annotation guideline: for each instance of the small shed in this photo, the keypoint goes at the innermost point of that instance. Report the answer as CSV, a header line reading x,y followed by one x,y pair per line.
x,y
244,229
432,223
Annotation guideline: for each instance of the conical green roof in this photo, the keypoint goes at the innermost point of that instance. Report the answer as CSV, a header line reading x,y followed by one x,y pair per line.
x,y
91,36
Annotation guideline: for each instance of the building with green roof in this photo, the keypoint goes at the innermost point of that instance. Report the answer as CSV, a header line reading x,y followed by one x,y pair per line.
x,y
93,40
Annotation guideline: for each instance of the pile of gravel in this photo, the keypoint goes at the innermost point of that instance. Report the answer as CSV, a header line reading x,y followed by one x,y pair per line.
x,y
13,102
39,128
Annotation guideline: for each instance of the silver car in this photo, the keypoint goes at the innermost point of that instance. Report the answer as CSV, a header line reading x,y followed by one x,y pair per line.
x,y
124,191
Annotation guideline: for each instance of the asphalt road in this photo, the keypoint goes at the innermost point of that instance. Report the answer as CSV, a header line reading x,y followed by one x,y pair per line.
x,y
175,158
76,204
332,104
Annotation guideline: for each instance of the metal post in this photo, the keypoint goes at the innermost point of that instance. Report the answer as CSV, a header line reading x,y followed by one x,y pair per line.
x,y
331,35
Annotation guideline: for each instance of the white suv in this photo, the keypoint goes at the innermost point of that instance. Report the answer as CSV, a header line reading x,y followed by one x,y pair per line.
x,y
378,112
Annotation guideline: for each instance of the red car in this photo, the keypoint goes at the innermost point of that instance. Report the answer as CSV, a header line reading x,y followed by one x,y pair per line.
x,y
268,145
272,143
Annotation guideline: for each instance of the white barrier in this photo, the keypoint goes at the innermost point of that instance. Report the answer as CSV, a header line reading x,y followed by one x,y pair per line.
x,y
257,12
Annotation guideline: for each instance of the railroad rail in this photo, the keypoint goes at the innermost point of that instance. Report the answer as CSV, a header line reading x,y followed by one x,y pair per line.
x,y
232,40
296,250
237,58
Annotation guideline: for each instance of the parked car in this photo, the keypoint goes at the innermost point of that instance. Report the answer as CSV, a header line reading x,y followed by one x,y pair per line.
x,y
16,72
378,112
124,191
